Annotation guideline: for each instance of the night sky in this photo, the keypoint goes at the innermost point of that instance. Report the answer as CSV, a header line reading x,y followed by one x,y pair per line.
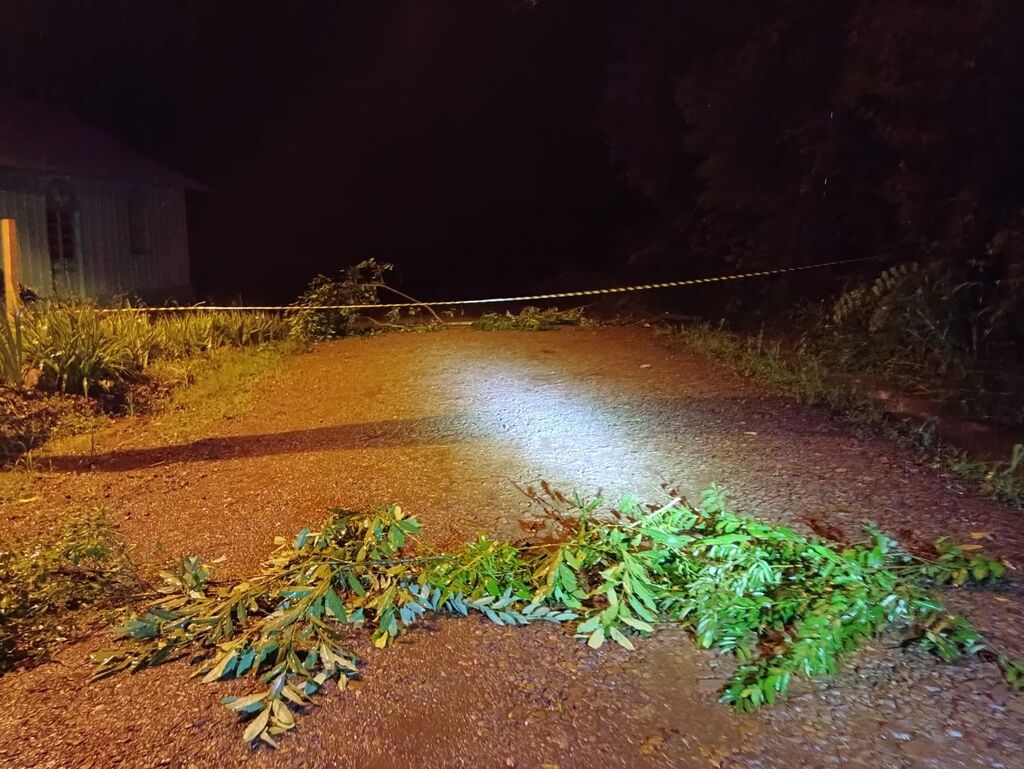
x,y
456,139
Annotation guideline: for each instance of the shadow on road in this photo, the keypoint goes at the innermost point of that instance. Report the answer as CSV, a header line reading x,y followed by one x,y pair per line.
x,y
451,428
578,426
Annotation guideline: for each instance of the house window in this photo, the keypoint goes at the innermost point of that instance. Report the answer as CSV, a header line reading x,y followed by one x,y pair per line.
x,y
61,232
138,225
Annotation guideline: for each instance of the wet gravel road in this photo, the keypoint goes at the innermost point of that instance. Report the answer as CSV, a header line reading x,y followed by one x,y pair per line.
x,y
446,424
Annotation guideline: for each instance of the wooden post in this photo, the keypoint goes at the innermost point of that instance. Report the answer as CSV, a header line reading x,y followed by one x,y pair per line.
x,y
11,266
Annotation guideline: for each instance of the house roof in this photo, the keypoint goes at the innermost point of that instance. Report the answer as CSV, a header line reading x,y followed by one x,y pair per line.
x,y
44,139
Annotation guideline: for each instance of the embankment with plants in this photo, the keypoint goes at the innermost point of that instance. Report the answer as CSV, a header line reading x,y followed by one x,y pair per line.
x,y
65,363
932,331
62,364
913,329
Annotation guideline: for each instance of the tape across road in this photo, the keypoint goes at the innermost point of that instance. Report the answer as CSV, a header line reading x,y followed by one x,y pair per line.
x,y
501,299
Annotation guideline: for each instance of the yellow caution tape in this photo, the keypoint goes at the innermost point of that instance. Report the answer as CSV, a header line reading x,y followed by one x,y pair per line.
x,y
502,299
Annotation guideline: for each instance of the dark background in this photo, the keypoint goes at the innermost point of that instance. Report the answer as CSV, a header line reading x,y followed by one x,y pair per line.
x,y
456,139
488,146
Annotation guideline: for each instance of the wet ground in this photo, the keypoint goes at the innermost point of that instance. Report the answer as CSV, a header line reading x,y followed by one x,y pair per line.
x,y
447,424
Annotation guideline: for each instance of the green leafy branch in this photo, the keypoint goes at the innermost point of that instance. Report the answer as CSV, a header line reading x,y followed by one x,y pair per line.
x,y
783,603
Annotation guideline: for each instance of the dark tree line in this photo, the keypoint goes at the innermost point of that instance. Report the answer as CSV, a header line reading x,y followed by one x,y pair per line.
x,y
790,132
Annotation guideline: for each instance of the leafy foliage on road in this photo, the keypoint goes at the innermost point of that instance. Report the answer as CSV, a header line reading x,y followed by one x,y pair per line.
x,y
531,319
783,603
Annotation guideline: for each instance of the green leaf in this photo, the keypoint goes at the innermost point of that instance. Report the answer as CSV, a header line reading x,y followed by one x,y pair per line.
x,y
620,639
278,685
334,605
637,624
223,667
282,715
243,703
642,609
257,725
293,696
596,639
355,584
724,539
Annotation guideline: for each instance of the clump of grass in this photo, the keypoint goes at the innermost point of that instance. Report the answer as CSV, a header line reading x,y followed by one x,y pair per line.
x,y
786,605
806,378
75,347
247,329
41,582
82,349
185,334
531,319
12,353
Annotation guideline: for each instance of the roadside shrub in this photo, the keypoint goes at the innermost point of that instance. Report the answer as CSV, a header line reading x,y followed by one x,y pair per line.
x,y
358,285
919,328
902,324
41,582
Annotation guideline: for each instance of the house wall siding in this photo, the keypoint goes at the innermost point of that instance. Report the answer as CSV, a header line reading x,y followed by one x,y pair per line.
x,y
108,265
29,210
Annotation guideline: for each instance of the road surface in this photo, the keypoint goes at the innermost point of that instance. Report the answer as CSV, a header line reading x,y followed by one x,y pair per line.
x,y
448,424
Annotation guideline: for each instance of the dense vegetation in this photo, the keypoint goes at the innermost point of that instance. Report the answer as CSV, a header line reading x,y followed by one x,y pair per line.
x,y
790,133
916,328
784,604
785,132
41,582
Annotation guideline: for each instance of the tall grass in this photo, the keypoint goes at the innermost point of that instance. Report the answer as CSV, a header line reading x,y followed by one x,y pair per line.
x,y
12,353
78,347
75,348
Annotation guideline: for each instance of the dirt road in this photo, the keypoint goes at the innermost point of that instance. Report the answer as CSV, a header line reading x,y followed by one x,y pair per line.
x,y
446,424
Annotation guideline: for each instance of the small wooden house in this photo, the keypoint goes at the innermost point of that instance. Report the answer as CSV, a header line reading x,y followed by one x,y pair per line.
x,y
95,219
